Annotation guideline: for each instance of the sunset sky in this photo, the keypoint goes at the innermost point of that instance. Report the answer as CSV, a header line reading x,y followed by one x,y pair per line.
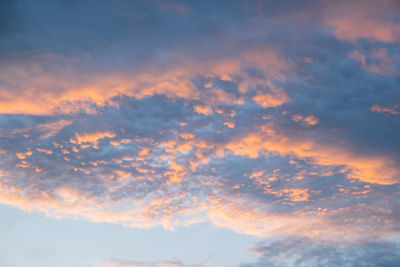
x,y
241,133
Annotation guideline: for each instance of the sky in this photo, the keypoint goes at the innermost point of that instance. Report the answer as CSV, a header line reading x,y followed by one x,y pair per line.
x,y
239,133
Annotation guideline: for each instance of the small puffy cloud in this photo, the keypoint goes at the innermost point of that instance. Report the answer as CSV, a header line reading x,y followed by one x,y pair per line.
x,y
307,120
203,110
276,98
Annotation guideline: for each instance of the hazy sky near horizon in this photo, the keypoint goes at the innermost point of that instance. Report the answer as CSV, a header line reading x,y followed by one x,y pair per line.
x,y
199,133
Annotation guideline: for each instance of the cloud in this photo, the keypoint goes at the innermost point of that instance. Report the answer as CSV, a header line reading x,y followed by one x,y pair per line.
x,y
171,166
61,85
364,19
362,167
129,263
298,252
277,98
379,109
378,61
283,113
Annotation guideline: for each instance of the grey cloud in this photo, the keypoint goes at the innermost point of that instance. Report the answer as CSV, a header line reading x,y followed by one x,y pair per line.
x,y
298,252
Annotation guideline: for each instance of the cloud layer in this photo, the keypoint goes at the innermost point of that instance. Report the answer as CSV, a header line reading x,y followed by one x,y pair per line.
x,y
276,120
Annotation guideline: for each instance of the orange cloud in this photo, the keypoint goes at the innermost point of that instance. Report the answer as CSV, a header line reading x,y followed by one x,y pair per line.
x,y
372,169
379,109
276,98
204,110
91,138
23,155
352,28
43,150
319,224
32,89
230,124
306,120
362,19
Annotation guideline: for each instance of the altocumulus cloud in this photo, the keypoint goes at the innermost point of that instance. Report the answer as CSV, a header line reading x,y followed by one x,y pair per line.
x,y
285,113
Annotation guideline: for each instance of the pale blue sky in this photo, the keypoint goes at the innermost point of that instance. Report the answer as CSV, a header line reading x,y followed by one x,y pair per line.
x,y
32,239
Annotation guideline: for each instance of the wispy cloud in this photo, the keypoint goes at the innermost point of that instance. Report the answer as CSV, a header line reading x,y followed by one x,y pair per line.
x,y
131,263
